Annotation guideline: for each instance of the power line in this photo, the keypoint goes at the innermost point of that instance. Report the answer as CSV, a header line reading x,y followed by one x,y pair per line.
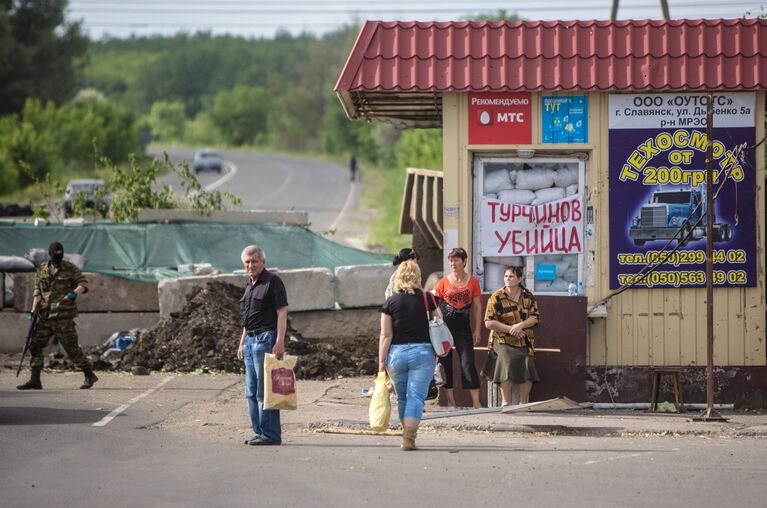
x,y
282,10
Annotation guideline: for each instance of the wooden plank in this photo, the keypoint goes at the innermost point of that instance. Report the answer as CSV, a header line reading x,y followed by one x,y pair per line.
x,y
460,412
700,335
558,404
736,336
596,342
537,350
641,308
721,329
613,332
754,319
671,337
687,328
405,220
657,313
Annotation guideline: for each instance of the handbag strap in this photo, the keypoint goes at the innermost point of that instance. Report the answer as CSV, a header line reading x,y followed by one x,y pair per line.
x,y
425,305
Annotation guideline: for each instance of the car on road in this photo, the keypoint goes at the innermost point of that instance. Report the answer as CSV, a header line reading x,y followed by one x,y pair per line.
x,y
87,193
207,159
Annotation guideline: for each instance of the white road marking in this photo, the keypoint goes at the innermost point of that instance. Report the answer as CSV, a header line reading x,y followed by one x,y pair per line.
x,y
347,206
223,179
108,418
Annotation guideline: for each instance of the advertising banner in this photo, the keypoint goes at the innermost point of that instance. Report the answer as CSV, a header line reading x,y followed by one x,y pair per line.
x,y
565,119
657,186
500,118
510,229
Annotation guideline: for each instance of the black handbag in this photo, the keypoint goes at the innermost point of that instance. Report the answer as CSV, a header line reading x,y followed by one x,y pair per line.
x,y
433,391
488,369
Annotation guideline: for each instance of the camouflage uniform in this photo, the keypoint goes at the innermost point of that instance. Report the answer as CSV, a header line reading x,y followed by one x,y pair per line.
x,y
57,313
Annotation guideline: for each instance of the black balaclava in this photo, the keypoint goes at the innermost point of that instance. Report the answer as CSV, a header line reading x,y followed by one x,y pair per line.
x,y
56,253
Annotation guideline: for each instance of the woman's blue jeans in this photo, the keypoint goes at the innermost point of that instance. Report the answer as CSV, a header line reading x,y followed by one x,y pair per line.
x,y
265,422
411,369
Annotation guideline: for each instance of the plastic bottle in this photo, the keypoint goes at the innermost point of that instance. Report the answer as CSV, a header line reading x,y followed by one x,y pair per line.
x,y
480,275
572,289
581,289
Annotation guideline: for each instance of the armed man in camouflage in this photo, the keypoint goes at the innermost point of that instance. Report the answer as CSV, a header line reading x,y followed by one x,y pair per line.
x,y
58,283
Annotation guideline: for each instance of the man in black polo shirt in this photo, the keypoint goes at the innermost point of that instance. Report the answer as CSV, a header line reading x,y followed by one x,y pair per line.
x,y
264,308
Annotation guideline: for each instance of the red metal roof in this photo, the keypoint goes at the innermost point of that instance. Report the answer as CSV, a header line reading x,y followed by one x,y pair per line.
x,y
718,54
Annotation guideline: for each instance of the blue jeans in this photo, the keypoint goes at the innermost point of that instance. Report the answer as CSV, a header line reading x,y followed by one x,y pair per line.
x,y
265,422
411,369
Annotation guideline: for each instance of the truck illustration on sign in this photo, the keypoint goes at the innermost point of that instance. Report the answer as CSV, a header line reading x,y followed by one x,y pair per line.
x,y
670,210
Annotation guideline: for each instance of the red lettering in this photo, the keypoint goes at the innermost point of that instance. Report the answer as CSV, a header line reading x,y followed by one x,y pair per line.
x,y
517,247
575,241
493,206
577,214
547,245
503,240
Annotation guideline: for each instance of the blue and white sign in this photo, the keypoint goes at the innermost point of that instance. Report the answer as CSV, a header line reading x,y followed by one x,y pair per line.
x,y
564,119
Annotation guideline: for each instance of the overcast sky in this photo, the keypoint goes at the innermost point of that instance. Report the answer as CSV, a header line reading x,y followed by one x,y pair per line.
x,y
258,18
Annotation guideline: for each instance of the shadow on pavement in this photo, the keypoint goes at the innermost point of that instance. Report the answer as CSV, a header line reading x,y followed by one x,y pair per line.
x,y
48,416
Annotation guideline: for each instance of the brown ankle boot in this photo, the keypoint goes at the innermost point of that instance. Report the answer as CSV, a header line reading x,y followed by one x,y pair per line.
x,y
408,438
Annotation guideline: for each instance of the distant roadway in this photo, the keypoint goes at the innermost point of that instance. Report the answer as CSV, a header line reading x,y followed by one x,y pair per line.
x,y
275,182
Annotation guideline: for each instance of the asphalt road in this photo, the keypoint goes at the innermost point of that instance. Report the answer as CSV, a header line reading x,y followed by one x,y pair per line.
x,y
275,182
54,455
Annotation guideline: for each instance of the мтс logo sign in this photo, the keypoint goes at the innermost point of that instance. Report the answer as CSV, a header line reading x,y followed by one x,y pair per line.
x,y
499,118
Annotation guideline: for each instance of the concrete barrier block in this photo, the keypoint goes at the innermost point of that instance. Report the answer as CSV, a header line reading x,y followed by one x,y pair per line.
x,y
92,329
105,294
330,324
13,331
307,288
286,217
362,286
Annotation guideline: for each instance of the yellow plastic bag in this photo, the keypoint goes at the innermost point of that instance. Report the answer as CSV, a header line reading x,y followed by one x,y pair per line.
x,y
280,382
380,405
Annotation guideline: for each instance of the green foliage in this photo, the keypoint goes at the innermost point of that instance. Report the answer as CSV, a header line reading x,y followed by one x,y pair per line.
x,y
251,91
41,54
21,141
133,188
167,121
240,114
52,139
50,193
201,131
382,193
420,148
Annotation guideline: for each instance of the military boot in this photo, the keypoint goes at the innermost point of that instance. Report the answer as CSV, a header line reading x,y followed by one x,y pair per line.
x,y
90,378
34,381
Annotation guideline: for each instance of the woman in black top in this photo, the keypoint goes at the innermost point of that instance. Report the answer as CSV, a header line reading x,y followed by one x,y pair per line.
x,y
405,350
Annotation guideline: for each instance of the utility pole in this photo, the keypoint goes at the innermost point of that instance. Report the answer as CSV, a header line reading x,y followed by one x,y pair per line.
x,y
710,413
663,8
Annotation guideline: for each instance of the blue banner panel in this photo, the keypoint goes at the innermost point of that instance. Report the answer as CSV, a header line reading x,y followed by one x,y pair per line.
x,y
565,119
658,192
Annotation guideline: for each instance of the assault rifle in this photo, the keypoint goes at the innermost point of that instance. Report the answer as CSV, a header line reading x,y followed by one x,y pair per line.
x,y
30,333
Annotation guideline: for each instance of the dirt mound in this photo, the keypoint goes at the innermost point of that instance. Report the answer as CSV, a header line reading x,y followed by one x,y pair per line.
x,y
205,335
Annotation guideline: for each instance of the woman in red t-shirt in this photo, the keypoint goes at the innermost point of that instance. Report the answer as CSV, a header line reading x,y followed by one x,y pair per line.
x,y
462,310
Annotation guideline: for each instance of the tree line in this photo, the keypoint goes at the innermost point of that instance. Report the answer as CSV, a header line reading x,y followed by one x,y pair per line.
x,y
66,101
